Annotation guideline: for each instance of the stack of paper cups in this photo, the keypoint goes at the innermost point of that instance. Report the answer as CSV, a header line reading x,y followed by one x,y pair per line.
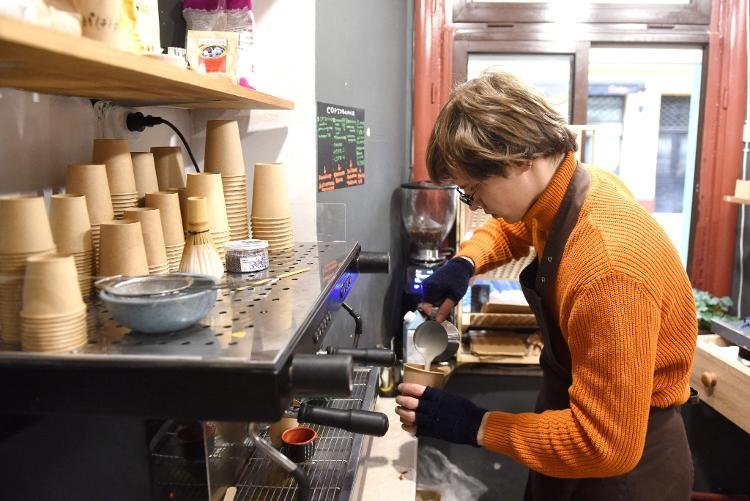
x,y
24,232
209,186
171,224
53,317
170,168
71,229
91,181
115,155
224,156
144,171
153,237
123,251
271,216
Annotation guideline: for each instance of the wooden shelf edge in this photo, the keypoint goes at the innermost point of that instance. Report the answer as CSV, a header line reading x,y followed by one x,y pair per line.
x,y
736,200
40,59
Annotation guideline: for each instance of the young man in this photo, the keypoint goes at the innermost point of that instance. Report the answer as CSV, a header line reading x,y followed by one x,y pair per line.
x,y
613,303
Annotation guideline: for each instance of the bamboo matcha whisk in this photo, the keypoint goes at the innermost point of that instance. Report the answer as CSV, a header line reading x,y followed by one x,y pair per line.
x,y
200,254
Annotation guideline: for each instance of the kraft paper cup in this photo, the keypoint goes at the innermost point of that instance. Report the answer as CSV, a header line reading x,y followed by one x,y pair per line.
x,y
170,168
91,180
51,287
171,217
144,170
24,226
115,155
209,185
224,148
436,377
153,235
270,195
182,194
100,19
69,220
122,250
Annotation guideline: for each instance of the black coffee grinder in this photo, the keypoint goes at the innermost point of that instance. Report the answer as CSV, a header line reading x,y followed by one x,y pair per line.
x,y
428,212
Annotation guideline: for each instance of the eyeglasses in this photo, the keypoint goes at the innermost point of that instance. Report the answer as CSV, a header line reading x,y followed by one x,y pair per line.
x,y
465,197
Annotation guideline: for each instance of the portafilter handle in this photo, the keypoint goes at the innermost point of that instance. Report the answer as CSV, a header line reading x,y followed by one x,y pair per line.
x,y
370,356
321,375
355,421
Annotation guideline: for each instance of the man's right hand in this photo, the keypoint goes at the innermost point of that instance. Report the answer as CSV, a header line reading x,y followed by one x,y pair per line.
x,y
446,286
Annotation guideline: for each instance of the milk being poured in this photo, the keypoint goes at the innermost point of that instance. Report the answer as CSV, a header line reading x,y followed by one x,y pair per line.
x,y
430,340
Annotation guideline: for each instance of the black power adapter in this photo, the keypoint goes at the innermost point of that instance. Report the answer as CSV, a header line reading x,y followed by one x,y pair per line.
x,y
137,122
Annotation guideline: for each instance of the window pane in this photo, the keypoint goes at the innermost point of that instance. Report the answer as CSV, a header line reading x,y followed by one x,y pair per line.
x,y
643,103
550,74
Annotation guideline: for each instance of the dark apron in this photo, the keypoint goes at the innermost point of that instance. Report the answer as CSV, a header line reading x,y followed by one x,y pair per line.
x,y
665,468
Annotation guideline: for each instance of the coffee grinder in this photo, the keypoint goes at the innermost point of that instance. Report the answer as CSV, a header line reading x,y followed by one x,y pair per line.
x,y
428,212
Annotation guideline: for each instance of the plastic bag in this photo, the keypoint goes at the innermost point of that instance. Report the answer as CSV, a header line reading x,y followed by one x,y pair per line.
x,y
436,473
213,53
139,27
227,15
60,15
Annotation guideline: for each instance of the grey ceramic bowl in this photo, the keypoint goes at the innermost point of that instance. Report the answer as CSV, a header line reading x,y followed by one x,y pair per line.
x,y
158,314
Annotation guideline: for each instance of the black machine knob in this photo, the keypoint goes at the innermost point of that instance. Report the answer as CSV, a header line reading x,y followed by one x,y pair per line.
x,y
321,375
371,356
372,262
356,421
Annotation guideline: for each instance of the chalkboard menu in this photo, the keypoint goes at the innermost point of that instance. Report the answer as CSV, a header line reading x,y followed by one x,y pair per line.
x,y
341,146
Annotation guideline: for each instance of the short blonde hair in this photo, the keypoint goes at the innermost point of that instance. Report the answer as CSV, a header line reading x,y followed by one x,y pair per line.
x,y
491,122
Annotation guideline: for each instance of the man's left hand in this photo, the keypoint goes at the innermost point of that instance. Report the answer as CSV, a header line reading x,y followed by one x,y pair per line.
x,y
431,412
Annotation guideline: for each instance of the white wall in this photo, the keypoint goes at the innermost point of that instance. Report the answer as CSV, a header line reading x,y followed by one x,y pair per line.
x,y
41,134
286,68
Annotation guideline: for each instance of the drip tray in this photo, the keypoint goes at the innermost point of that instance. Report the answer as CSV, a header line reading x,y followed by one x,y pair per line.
x,y
332,471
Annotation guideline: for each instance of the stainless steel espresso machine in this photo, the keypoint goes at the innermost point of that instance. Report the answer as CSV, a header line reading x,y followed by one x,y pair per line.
x,y
200,398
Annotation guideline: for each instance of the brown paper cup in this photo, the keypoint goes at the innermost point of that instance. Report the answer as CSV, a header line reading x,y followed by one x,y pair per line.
x,y
270,195
182,194
153,235
100,19
69,220
115,155
209,186
171,219
51,286
279,427
144,170
436,377
224,148
122,250
91,180
24,226
170,168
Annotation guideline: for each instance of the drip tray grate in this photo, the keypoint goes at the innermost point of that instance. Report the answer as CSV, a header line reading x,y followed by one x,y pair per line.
x,y
333,467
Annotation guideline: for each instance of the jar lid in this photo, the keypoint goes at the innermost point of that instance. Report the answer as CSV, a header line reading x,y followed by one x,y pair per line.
x,y
246,245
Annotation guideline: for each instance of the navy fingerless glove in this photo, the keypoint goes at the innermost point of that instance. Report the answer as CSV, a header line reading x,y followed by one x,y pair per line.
x,y
449,281
447,416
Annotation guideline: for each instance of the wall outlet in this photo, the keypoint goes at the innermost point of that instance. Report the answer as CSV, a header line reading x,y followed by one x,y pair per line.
x,y
110,121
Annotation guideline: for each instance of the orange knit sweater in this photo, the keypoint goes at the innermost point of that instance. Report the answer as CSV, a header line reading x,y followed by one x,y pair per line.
x,y
625,307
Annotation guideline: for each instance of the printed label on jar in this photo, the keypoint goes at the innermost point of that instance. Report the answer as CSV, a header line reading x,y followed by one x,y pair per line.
x,y
248,264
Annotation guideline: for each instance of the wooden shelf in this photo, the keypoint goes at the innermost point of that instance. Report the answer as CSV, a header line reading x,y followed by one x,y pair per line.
x,y
735,200
43,60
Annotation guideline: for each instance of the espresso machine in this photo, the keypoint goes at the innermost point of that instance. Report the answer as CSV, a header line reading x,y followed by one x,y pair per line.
x,y
428,212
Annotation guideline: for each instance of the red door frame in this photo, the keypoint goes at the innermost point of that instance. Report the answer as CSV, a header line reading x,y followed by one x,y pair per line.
x,y
714,235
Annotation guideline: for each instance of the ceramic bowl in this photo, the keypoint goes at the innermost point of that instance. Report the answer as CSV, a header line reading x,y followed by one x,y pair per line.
x,y
160,314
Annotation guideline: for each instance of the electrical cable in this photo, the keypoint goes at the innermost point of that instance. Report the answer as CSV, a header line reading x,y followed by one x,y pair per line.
x,y
137,122
745,151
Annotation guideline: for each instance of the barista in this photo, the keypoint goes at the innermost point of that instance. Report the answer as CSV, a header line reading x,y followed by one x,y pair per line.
x,y
612,300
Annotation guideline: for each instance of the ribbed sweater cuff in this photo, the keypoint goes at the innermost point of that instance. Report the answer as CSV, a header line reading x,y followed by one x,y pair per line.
x,y
497,432
474,253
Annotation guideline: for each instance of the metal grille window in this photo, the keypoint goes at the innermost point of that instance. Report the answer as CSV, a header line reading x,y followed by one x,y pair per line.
x,y
605,109
671,157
